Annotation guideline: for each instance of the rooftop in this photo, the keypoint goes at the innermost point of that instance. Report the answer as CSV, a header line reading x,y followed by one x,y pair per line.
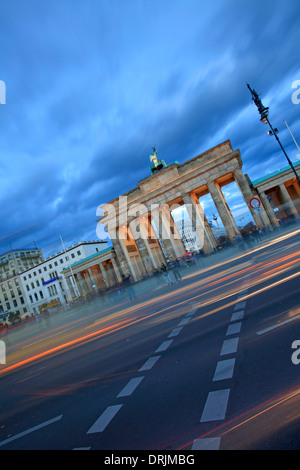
x,y
5,253
275,173
89,257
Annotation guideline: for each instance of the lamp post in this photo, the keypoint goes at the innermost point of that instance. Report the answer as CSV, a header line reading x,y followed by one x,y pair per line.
x,y
264,113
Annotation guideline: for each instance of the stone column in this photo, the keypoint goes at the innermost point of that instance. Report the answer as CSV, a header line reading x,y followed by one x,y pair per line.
x,y
99,280
245,189
77,280
82,283
116,269
149,242
297,189
294,191
88,281
287,200
196,214
121,256
111,272
70,289
168,232
171,232
265,202
93,280
131,253
223,210
104,275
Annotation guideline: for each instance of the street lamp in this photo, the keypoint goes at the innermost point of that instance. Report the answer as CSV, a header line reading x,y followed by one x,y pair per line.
x,y
264,113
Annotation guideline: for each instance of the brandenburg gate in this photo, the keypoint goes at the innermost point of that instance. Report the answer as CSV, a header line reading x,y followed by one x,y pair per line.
x,y
130,218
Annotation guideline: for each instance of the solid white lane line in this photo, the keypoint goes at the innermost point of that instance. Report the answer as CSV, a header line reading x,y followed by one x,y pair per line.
x,y
130,387
164,346
175,332
35,428
104,419
237,315
149,363
215,406
233,329
229,346
278,325
207,443
240,306
224,370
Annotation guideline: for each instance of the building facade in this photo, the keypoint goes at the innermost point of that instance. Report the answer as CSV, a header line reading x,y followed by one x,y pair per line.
x,y
94,274
279,193
44,283
12,264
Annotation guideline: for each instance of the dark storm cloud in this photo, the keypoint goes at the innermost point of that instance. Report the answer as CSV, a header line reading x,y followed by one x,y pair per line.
x,y
93,86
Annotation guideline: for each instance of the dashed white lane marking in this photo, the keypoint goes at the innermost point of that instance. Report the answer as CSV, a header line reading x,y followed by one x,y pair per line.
x,y
224,370
184,321
130,387
215,406
35,428
229,346
82,448
164,346
278,325
240,306
233,329
175,332
216,403
207,443
104,419
237,315
149,363
191,313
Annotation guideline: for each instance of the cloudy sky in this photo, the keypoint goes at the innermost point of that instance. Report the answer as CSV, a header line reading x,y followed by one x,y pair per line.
x,y
93,85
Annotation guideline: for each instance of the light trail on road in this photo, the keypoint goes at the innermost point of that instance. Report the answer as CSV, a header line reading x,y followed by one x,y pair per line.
x,y
208,288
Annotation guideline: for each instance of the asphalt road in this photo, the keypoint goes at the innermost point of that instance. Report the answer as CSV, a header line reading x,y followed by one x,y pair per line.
x,y
203,364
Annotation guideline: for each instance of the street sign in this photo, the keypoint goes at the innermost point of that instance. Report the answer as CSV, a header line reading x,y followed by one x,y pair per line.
x,y
254,203
257,210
